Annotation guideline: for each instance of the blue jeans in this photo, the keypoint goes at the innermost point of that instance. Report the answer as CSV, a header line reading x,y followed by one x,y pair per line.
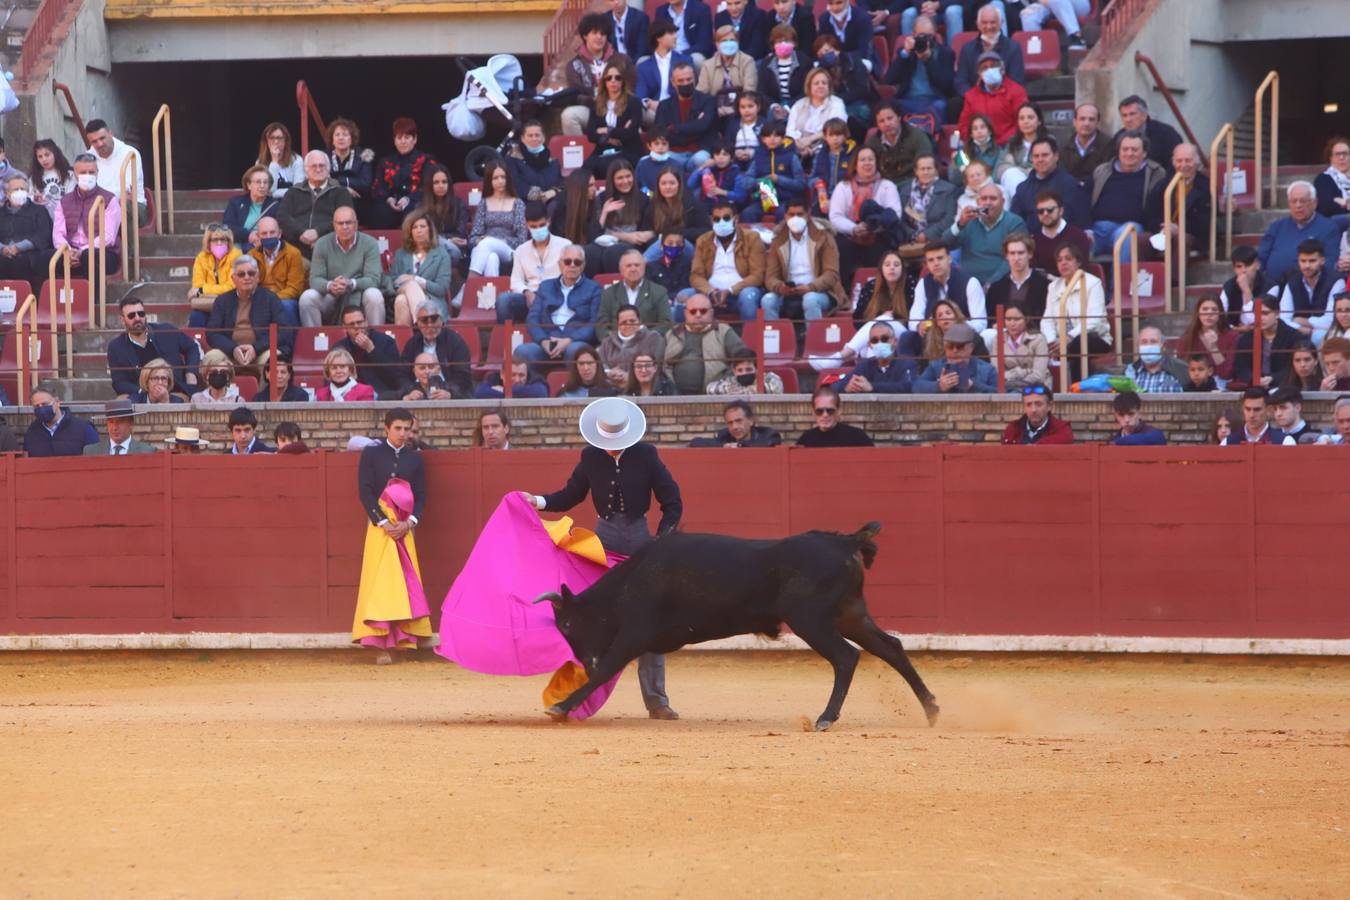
x,y
289,313
690,161
746,303
1105,234
533,353
677,307
198,318
953,15
511,307
814,305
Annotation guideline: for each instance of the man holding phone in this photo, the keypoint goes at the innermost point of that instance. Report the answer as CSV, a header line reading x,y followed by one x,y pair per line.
x,y
959,371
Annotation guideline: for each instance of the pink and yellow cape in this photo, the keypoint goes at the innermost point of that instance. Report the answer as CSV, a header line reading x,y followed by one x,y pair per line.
x,y
490,622
391,607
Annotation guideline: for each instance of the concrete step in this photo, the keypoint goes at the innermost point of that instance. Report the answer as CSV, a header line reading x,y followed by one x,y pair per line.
x,y
171,245
1054,87
166,268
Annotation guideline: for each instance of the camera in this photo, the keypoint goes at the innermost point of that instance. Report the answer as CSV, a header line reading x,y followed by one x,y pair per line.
x,y
923,43
437,383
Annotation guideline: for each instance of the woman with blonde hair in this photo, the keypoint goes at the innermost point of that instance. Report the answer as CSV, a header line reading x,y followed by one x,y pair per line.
x,y
283,163
212,272
243,212
339,377
156,383
421,270
945,314
217,373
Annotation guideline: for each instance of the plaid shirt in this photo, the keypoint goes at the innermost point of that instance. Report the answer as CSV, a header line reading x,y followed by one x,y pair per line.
x,y
1159,382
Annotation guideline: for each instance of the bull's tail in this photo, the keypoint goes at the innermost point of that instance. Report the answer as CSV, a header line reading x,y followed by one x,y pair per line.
x,y
866,547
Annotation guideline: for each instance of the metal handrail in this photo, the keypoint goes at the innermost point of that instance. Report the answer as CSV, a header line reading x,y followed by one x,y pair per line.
x,y
305,100
36,42
1079,281
1225,134
1272,80
27,372
998,354
1171,102
98,249
1174,194
67,298
562,30
166,117
1132,233
127,197
59,88
1117,18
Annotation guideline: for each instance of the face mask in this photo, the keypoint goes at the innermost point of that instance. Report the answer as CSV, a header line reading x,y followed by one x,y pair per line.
x,y
723,228
539,235
18,198
218,251
45,414
685,90
728,48
830,58
783,49
672,253
992,77
271,244
883,350
1151,353
218,379
86,182
796,224
746,380
536,150
659,157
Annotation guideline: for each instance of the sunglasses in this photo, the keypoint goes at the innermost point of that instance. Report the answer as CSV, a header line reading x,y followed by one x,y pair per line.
x,y
428,320
137,314
613,78
697,312
826,410
881,339
572,262
1035,389
1047,210
723,218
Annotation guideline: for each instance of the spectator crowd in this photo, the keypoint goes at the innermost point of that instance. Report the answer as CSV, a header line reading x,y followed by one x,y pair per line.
x,y
752,180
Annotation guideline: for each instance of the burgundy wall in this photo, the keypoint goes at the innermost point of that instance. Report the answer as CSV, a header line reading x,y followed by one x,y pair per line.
x,y
1196,541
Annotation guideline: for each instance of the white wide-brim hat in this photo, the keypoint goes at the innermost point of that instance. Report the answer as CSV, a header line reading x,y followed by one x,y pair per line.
x,y
612,423
187,436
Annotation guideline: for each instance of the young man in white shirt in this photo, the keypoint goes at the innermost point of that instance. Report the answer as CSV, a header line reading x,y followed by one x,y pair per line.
x,y
531,262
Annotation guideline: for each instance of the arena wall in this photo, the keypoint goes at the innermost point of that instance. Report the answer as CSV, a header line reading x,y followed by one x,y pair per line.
x,y
1175,542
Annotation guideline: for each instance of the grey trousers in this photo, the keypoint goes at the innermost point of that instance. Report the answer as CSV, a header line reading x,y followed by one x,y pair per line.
x,y
626,536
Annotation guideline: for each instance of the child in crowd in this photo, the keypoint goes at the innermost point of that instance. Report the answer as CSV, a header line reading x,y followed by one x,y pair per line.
x,y
671,271
717,178
777,163
1200,368
832,165
657,158
743,132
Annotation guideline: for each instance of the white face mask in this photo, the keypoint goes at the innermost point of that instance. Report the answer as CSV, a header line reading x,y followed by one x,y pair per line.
x,y
796,224
18,198
86,182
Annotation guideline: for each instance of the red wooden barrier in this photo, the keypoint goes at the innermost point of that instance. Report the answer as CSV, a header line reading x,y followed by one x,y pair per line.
x,y
1082,540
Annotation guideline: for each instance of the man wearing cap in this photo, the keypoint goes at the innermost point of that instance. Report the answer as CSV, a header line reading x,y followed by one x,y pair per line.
x,y
960,371
994,96
1286,405
120,421
621,474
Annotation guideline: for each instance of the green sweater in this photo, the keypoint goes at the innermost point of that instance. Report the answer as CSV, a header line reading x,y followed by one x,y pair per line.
x,y
982,247
362,265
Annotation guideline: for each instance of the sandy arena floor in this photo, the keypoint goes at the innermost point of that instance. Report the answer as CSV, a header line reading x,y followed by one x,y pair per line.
x,y
307,774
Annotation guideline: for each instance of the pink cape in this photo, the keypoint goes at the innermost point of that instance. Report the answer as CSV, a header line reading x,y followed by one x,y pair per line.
x,y
489,621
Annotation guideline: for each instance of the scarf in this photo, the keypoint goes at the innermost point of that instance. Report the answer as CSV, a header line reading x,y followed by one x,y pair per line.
x,y
862,192
1341,179
919,197
340,392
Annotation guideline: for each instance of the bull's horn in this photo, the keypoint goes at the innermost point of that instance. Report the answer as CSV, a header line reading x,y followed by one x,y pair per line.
x,y
871,529
552,597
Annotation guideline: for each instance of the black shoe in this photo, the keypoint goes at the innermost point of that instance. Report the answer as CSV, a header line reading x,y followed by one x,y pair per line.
x,y
663,712
1076,42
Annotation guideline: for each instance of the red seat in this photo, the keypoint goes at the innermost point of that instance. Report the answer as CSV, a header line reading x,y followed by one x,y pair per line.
x,y
465,190
400,333
754,334
470,310
43,364
789,376
389,239
470,335
882,48
651,6
607,278
1040,52
826,337
556,379
248,387
199,335
311,346
1245,182
1152,290
79,303
12,295
860,277
497,347
960,40
944,149
571,151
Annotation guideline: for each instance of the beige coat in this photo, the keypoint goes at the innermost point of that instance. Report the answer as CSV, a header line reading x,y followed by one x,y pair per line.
x,y
824,263
1028,364
719,342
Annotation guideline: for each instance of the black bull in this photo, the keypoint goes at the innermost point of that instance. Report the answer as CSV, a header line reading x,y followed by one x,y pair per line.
x,y
687,588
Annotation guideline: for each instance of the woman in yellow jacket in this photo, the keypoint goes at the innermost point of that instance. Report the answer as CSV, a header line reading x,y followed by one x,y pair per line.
x,y
211,272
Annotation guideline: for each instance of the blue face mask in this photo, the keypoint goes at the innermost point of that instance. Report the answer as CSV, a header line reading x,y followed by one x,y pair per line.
x,y
536,150
270,244
539,235
830,58
45,413
992,77
728,48
659,157
672,253
724,228
1151,353
883,350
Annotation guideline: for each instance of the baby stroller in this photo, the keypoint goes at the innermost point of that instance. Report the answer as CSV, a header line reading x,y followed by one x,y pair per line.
x,y
499,85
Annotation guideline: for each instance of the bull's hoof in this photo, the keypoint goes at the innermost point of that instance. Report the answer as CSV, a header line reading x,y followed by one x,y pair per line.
x,y
931,710
556,713
823,724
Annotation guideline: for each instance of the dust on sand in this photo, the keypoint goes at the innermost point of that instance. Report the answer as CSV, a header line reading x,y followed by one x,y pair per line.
x,y
299,774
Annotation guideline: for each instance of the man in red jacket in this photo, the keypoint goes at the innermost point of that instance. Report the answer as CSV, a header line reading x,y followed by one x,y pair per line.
x,y
994,95
1038,425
